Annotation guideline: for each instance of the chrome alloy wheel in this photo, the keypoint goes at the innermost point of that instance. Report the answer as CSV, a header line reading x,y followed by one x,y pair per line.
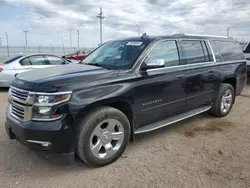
x,y
106,139
226,101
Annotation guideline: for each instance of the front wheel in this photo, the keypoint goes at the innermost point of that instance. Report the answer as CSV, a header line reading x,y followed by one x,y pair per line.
x,y
102,136
224,100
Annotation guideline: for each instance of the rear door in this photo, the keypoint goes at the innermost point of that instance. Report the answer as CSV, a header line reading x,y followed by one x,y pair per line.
x,y
200,73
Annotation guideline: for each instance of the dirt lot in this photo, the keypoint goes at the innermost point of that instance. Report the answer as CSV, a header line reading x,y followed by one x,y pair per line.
x,y
199,152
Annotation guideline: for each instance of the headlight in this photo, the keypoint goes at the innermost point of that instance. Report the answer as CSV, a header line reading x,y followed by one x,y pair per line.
x,y
45,100
46,104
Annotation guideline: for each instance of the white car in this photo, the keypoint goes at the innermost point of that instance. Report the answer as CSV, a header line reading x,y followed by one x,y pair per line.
x,y
21,63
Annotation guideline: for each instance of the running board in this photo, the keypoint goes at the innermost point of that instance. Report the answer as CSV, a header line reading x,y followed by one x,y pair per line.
x,y
171,120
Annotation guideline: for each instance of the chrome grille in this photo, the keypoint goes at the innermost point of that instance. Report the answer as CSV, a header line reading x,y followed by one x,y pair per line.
x,y
20,104
17,110
19,94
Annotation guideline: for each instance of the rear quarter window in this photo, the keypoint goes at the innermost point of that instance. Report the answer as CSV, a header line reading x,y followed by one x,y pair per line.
x,y
229,50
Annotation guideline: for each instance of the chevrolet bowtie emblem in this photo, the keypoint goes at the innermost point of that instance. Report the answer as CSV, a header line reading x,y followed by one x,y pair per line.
x,y
9,99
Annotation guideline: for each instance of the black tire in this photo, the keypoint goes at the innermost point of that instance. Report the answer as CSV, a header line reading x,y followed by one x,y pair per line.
x,y
87,126
216,108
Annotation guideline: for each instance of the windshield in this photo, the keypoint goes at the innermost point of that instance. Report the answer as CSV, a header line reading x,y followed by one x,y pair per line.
x,y
117,54
9,60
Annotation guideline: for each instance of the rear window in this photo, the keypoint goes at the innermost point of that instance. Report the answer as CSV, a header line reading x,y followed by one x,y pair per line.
x,y
229,50
9,60
216,51
192,51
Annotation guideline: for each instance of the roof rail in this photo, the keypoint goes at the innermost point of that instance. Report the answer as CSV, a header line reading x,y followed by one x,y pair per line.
x,y
184,34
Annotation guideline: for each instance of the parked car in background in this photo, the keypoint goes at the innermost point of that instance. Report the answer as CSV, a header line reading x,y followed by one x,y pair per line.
x,y
78,55
124,87
21,63
246,51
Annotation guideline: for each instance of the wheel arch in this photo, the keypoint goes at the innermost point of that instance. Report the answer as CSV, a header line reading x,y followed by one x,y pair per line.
x,y
121,104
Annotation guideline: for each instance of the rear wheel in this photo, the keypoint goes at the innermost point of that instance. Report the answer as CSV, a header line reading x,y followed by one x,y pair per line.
x,y
224,101
102,136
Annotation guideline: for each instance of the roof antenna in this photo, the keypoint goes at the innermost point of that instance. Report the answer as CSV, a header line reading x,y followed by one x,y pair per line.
x,y
144,35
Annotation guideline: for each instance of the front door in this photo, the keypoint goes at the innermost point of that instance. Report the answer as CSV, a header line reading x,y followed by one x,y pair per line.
x,y
200,74
160,91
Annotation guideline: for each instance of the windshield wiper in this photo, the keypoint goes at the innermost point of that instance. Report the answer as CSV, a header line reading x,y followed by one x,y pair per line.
x,y
98,65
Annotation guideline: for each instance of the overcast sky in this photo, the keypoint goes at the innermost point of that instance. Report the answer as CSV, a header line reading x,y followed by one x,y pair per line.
x,y
48,21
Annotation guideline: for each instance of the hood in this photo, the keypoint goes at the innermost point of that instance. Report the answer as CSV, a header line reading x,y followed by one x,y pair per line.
x,y
53,78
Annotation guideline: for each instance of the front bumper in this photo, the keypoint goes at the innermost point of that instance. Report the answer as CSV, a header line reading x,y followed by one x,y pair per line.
x,y
53,140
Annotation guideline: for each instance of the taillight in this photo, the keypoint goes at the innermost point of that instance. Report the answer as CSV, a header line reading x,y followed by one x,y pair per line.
x,y
1,69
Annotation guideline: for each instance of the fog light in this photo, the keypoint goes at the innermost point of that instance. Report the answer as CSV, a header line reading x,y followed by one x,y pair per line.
x,y
46,144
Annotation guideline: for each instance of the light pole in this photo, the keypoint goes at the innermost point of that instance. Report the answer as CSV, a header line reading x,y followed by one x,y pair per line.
x,y
70,35
25,33
138,28
228,30
7,40
101,18
63,45
78,38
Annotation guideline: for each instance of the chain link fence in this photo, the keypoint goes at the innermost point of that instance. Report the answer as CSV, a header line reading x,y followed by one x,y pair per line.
x,y
8,51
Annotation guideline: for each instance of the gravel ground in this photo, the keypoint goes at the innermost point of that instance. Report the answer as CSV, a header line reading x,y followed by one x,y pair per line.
x,y
202,151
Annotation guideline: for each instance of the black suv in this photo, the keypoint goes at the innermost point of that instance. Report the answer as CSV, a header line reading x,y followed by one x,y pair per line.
x,y
124,87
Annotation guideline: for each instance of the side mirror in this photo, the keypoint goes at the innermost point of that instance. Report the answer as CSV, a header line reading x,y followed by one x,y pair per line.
x,y
153,64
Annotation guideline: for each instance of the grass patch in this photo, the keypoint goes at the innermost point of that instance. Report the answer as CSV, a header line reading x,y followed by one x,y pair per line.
x,y
213,126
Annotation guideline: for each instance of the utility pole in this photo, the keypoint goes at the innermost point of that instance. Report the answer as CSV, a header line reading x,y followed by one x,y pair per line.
x,y
70,35
7,41
63,44
101,18
78,38
0,41
228,30
138,28
25,32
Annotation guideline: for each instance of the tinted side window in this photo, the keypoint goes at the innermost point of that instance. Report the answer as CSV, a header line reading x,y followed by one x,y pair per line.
x,y
166,50
217,54
54,60
192,52
37,60
25,61
229,50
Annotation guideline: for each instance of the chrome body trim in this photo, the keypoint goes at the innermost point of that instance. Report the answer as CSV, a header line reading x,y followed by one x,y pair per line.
x,y
51,119
212,51
199,35
39,142
195,64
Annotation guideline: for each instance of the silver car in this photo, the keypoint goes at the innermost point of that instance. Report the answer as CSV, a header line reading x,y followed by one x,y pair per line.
x,y
21,63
